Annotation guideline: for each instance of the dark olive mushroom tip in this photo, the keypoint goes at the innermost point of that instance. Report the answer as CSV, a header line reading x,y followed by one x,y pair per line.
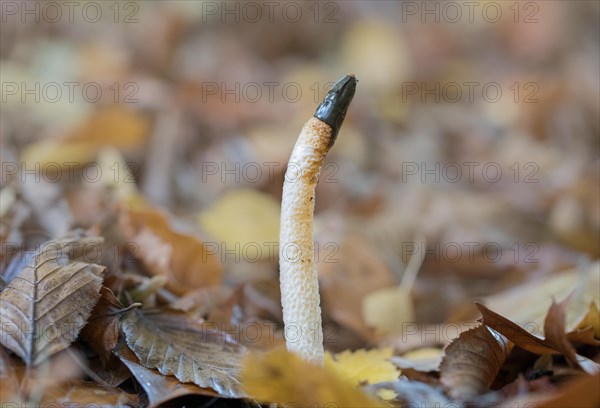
x,y
335,105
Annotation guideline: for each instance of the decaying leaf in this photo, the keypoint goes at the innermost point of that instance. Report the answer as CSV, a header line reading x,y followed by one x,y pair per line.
x,y
514,332
363,366
102,330
472,362
530,302
46,305
280,376
556,341
175,344
554,330
159,388
184,259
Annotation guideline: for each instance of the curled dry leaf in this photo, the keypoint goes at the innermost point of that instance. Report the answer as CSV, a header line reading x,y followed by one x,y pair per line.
x,y
175,344
46,305
274,377
529,302
102,330
472,362
159,388
514,332
556,341
184,259
555,332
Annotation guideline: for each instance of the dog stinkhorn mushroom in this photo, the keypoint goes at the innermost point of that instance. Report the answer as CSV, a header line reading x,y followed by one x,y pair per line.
x,y
298,273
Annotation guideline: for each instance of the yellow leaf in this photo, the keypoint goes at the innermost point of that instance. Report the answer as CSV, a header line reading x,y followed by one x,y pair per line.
x,y
282,377
114,126
245,222
387,310
592,318
362,366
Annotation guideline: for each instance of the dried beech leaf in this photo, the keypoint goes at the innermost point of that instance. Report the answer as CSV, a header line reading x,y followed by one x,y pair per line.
x,y
46,305
514,332
102,330
554,331
529,302
472,362
159,388
175,344
556,341
184,259
280,376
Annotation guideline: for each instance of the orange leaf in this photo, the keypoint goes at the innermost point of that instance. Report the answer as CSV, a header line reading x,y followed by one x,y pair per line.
x,y
184,259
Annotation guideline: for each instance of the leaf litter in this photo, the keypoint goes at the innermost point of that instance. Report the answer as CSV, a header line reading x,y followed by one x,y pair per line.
x,y
170,296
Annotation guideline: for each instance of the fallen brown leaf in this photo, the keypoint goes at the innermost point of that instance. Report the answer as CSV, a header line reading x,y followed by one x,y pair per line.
x,y
184,259
46,305
472,362
554,331
175,344
514,332
556,341
102,330
159,388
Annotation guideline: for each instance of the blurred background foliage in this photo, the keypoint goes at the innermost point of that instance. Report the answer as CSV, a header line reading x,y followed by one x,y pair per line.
x,y
196,109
